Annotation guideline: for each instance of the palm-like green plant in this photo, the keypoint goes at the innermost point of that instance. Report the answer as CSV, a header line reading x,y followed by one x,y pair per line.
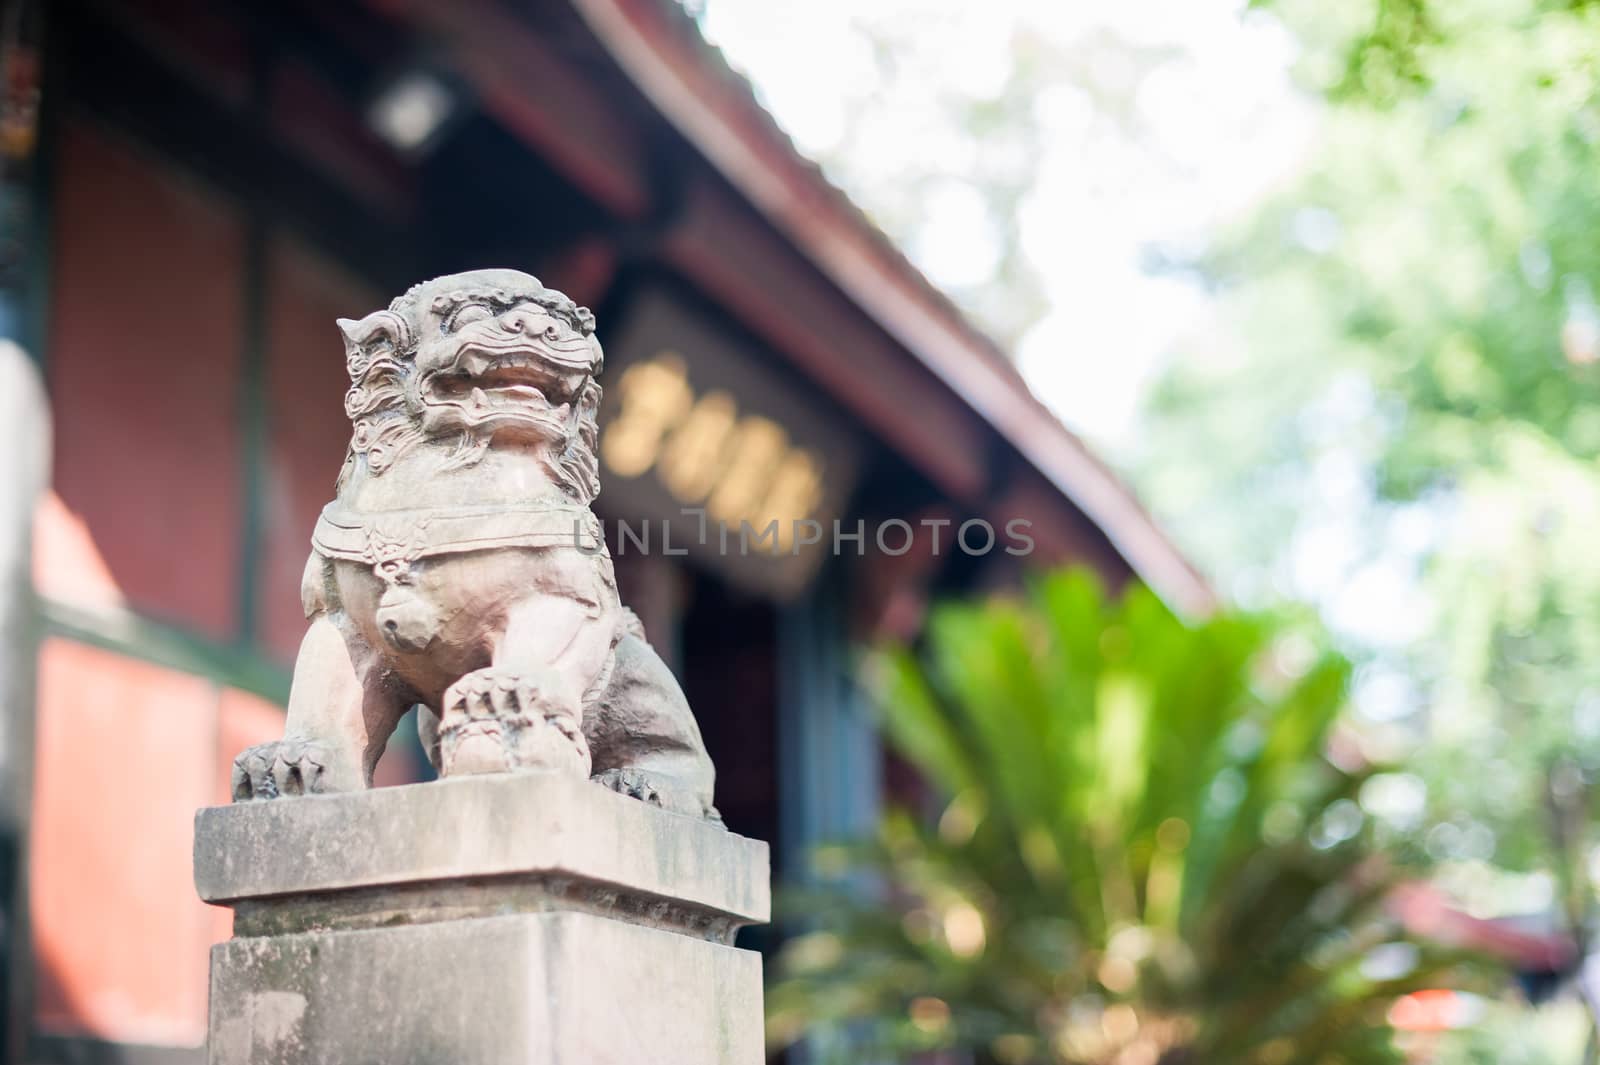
x,y
1142,855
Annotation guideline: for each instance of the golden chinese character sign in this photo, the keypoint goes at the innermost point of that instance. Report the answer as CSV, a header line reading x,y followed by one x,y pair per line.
x,y
711,447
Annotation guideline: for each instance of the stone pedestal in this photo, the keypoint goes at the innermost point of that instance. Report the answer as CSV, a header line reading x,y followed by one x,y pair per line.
x,y
527,917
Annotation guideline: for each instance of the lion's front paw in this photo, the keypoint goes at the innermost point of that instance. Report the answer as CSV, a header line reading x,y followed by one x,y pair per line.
x,y
653,788
492,721
286,767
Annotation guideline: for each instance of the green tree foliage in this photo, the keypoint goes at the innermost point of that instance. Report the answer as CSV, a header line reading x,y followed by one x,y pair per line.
x,y
1140,854
1419,310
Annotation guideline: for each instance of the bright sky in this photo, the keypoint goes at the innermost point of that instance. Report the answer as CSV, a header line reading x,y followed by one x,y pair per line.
x,y
1214,125
1219,123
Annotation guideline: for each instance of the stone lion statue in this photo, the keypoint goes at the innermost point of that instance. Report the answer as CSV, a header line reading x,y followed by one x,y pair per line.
x,y
460,570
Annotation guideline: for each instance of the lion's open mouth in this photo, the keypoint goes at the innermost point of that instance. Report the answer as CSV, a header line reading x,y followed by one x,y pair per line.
x,y
485,383
503,384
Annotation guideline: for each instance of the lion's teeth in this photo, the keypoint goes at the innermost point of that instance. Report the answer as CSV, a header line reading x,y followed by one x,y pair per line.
x,y
478,397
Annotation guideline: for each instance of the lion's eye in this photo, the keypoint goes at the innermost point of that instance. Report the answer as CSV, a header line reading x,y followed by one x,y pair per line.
x,y
472,312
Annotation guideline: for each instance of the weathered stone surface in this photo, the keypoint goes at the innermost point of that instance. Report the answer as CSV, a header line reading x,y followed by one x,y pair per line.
x,y
530,840
542,989
514,917
460,569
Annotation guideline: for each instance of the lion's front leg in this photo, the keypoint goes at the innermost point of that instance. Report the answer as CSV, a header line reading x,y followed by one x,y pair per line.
x,y
342,710
525,710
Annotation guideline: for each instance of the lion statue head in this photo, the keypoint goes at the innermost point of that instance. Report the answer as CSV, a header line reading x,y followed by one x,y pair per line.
x,y
474,360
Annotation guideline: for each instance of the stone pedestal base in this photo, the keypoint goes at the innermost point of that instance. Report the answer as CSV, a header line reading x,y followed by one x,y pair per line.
x,y
518,918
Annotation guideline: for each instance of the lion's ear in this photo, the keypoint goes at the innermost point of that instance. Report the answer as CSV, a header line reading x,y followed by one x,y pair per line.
x,y
379,333
350,329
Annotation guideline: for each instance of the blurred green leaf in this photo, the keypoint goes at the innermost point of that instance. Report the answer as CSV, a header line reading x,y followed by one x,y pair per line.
x,y
1105,769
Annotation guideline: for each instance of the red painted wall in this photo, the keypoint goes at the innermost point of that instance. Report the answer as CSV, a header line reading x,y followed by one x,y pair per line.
x,y
127,751
143,369
145,348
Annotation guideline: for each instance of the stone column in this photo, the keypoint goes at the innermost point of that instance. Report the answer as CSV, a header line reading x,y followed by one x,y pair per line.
x,y
527,917
24,474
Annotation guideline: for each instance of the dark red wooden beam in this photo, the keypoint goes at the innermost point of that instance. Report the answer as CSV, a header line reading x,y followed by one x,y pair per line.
x,y
541,95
